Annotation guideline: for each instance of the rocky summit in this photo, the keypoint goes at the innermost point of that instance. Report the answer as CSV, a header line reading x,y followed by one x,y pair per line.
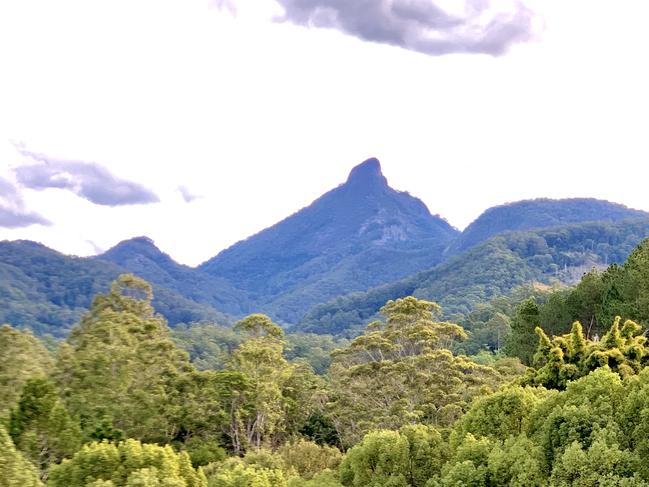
x,y
360,234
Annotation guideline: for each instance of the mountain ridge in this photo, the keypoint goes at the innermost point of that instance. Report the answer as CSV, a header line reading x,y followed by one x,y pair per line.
x,y
534,214
142,257
356,238
488,270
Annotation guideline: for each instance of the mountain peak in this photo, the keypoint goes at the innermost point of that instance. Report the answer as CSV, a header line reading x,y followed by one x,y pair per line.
x,y
137,245
141,240
367,172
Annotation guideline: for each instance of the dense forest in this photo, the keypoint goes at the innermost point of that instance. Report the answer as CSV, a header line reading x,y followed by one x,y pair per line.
x,y
544,387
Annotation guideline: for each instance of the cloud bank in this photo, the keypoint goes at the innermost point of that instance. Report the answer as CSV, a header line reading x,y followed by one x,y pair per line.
x,y
85,179
419,25
13,213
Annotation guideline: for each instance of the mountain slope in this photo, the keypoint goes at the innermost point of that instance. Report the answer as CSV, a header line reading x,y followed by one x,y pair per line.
x,y
537,214
140,256
48,292
361,234
490,269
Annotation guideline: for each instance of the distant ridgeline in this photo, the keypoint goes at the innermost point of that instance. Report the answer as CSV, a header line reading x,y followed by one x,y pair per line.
x,y
330,267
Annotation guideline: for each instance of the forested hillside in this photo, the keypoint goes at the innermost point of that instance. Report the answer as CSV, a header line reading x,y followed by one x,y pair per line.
x,y
120,404
491,269
140,256
48,292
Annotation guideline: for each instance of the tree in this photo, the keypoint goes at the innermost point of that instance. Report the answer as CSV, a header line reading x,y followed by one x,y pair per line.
x,y
502,414
41,427
631,285
126,464
259,326
120,365
308,459
568,357
23,357
521,341
517,462
235,473
261,361
400,371
15,470
271,398
405,458
600,464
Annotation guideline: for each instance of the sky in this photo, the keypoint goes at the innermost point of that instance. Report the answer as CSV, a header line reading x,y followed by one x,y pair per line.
x,y
200,122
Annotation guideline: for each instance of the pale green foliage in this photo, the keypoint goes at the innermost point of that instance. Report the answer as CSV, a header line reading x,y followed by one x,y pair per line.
x,y
262,363
482,462
325,479
259,326
502,414
408,458
400,371
582,411
15,470
518,462
121,364
235,473
591,434
600,464
127,464
274,397
633,416
307,459
380,459
301,459
462,474
264,458
22,357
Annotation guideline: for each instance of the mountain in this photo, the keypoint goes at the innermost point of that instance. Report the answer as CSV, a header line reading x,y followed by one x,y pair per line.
x,y
537,214
48,292
141,257
490,269
361,234
331,266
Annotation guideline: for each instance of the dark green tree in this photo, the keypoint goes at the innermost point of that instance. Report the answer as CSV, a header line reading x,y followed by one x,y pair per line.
x,y
521,342
41,427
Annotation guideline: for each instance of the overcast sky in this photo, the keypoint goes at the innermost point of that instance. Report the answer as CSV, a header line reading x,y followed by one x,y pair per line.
x,y
198,124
